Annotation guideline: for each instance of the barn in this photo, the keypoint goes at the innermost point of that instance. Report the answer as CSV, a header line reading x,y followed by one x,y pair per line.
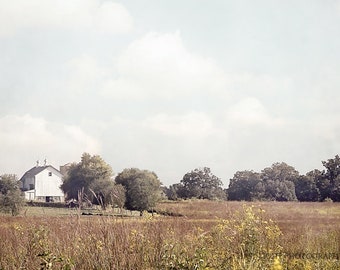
x,y
42,183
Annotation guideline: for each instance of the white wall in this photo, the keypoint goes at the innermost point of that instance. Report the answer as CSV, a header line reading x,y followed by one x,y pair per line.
x,y
29,195
46,185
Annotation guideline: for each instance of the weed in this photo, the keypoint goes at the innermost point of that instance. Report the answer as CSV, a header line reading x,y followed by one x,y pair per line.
x,y
238,236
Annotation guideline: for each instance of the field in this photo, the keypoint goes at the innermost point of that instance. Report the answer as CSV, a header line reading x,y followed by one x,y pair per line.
x,y
194,235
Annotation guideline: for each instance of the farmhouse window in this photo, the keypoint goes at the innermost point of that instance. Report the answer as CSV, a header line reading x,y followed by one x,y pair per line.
x,y
49,173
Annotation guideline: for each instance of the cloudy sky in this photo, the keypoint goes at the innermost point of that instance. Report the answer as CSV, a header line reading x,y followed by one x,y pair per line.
x,y
170,86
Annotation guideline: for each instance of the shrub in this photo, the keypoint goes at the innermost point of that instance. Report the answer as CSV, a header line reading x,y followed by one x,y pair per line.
x,y
245,239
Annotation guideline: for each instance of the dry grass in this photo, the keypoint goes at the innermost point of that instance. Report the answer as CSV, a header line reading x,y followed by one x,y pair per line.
x,y
209,235
289,215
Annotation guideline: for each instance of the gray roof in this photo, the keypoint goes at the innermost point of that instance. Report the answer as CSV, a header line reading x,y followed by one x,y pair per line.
x,y
35,170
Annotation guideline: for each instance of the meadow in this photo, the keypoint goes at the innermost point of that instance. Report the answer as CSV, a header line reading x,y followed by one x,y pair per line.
x,y
195,234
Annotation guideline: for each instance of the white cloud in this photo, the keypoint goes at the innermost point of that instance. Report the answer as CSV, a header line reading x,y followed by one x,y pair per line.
x,y
169,144
265,85
337,6
250,111
84,74
159,65
122,88
80,15
192,125
112,18
272,98
25,139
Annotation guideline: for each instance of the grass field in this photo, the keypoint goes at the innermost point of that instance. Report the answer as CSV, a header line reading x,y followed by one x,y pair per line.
x,y
58,212
199,235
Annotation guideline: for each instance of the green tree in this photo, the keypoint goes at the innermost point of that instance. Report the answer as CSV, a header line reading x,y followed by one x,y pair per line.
x,y
306,189
92,176
143,188
118,196
279,182
11,199
330,182
322,184
175,192
202,184
280,190
280,171
332,166
247,186
106,192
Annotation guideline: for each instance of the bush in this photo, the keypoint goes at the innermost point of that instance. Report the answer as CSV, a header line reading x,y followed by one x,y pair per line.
x,y
245,239
47,204
11,199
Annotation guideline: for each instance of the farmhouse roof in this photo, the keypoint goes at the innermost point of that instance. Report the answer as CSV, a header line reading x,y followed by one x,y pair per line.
x,y
35,170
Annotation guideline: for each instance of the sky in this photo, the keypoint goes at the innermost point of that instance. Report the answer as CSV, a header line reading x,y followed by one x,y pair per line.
x,y
170,86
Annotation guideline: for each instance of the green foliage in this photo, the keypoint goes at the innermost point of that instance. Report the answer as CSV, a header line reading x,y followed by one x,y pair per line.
x,y
171,192
202,184
332,167
40,250
306,189
279,182
176,191
279,171
282,182
248,238
322,188
11,199
92,175
118,196
246,186
280,191
275,183
46,204
330,182
244,238
143,188
106,192
327,182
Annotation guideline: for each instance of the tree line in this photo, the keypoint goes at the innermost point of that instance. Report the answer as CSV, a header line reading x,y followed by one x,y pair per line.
x,y
280,182
91,181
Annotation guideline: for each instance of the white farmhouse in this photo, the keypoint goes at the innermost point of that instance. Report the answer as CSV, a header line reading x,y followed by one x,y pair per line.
x,y
42,183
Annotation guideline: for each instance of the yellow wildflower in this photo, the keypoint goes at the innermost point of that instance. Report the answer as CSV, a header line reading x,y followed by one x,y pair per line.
x,y
277,265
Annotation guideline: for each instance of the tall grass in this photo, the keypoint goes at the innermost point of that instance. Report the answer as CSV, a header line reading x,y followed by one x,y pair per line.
x,y
211,235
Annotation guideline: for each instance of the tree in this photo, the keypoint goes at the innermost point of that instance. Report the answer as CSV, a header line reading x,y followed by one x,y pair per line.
x,y
330,182
118,196
306,189
143,188
279,182
92,176
201,183
280,171
175,192
332,167
335,194
280,190
247,186
106,192
11,199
